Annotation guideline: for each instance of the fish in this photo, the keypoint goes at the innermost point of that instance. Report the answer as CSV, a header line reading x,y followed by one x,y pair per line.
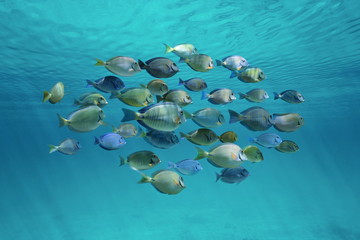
x,y
207,117
288,122
55,95
84,119
253,154
254,118
250,75
268,140
126,130
256,95
229,136
185,50
164,116
160,67
193,84
225,155
141,160
186,166
107,84
233,63
160,139
110,141
232,175
201,136
290,96
165,181
199,62
123,66
157,87
177,96
136,97
69,146
219,96
89,99
287,146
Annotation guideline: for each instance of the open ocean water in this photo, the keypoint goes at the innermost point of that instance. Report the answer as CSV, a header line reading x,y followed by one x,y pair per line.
x,y
310,46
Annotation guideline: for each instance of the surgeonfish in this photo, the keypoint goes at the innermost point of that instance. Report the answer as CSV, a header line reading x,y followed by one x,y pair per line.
x,y
107,84
229,136
250,75
201,136
233,63
186,167
207,117
219,96
254,118
136,97
256,95
288,122
88,99
160,139
126,130
232,175
287,146
110,141
185,50
177,96
141,160
253,154
69,146
157,87
123,66
199,62
290,96
268,140
55,94
160,67
193,84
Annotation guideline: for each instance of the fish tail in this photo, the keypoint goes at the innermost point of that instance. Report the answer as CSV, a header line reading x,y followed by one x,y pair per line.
x,y
276,96
168,48
219,63
76,102
159,98
89,83
181,82
183,135
233,74
242,96
188,115
113,129
182,60
96,142
62,121
114,95
47,96
171,165
201,154
204,95
99,62
53,148
252,140
128,115
141,133
234,116
142,64
122,161
218,176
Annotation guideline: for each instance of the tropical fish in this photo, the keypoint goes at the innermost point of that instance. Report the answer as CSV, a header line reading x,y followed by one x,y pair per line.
x,y
199,62
84,119
107,84
287,146
184,50
254,118
160,139
123,66
141,160
55,95
157,87
201,136
253,154
193,84
268,140
89,99
165,116
165,181
186,167
288,122
219,96
233,63
249,75
136,97
110,141
225,155
229,136
177,96
69,146
290,96
126,130
207,117
255,95
160,67
232,175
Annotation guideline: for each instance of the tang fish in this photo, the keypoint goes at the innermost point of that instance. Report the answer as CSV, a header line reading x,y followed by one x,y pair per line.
x,y
287,146
288,122
177,96
225,155
84,119
157,87
136,97
160,139
68,147
141,160
123,66
107,84
232,175
165,181
268,140
229,136
186,167
233,63
250,75
165,116
184,50
201,136
55,95
254,118
160,67
110,141
290,96
193,84
199,62
127,130
255,95
219,96
253,154
208,117
88,99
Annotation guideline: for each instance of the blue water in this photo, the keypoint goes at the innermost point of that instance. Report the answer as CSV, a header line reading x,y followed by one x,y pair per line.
x,y
310,46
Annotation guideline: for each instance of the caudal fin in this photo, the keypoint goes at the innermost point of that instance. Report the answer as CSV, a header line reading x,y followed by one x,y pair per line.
x,y
233,74
142,64
181,82
97,141
242,96
168,48
234,116
47,96
89,83
128,115
276,96
99,62
204,95
201,154
218,176
219,63
62,121
183,135
122,161
171,165
141,133
114,95
53,148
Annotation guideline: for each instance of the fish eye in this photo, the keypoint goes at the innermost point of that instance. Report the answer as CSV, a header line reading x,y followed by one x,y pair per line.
x,y
174,64
181,112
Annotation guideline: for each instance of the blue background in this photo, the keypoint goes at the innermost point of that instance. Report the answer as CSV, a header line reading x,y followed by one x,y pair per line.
x,y
310,46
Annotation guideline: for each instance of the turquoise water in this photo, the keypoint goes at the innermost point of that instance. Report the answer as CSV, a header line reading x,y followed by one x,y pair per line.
x,y
310,46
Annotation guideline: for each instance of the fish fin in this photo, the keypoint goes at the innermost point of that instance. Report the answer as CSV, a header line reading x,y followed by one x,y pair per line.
x,y
47,96
234,116
104,123
97,141
242,96
99,62
181,82
141,133
233,156
183,135
89,83
53,148
63,121
252,140
276,96
201,154
171,165
142,64
115,95
143,85
204,95
122,161
233,74
129,115
218,176
145,179
76,102
182,60
188,115
113,129
159,98
219,63
168,48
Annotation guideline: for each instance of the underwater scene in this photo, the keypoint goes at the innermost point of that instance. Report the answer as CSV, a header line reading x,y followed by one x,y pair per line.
x,y
224,120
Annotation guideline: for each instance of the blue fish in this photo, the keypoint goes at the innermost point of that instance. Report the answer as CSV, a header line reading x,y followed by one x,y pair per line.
x,y
160,139
110,141
268,140
107,84
186,167
232,175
